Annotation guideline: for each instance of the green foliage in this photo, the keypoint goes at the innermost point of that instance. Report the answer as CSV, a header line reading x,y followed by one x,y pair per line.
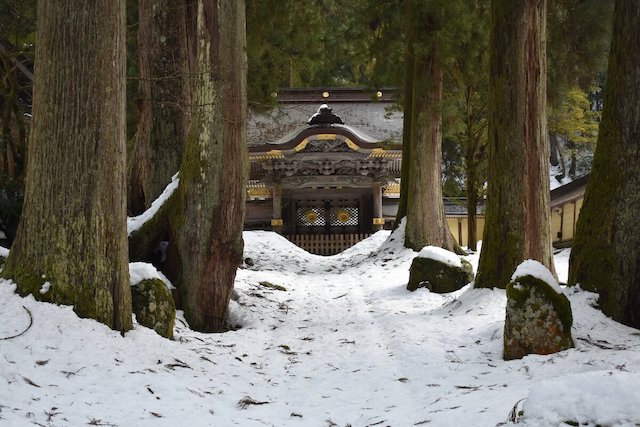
x,y
573,119
579,33
18,23
17,36
320,43
465,101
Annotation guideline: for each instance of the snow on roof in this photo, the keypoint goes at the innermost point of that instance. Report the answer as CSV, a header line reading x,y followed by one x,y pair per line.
x,y
371,119
535,269
441,255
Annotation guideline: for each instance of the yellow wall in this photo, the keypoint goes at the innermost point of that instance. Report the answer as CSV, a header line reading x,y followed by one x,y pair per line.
x,y
563,219
461,234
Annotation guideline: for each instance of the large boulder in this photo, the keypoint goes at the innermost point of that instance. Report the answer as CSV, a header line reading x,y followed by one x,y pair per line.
x,y
153,306
538,314
439,270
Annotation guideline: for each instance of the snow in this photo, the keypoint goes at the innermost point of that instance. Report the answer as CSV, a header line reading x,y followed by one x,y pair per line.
x,y
346,343
441,255
139,271
134,223
4,252
535,269
45,288
605,398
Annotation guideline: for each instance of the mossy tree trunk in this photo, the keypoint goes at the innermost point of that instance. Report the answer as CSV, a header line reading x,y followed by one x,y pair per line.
x,y
208,216
517,214
409,62
73,227
164,99
426,222
606,253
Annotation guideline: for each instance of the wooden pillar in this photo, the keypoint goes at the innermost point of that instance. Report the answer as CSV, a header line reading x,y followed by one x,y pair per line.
x,y
276,200
378,220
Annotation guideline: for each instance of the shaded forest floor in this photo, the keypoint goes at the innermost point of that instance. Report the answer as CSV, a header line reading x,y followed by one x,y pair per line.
x,y
339,341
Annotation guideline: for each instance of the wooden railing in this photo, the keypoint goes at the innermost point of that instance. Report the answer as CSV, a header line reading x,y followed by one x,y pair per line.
x,y
325,244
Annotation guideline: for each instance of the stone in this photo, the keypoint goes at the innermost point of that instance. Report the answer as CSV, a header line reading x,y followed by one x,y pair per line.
x,y
538,319
153,306
437,276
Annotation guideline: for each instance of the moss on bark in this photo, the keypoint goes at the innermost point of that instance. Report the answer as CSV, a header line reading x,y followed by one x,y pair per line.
x,y
73,228
207,219
163,103
606,253
426,221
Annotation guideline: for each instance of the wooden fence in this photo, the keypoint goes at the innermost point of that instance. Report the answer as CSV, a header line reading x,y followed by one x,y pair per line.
x,y
326,244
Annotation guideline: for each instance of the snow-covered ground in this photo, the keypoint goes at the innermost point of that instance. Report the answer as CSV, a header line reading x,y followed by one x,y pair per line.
x,y
345,344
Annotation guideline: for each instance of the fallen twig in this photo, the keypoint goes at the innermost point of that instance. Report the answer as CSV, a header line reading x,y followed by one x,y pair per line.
x,y
23,332
247,401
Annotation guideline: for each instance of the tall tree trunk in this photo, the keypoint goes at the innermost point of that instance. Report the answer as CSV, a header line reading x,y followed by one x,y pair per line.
x,y
606,253
409,64
517,215
164,103
73,228
426,222
472,205
208,219
472,160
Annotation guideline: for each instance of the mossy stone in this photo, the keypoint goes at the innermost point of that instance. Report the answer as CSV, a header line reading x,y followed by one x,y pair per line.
x,y
538,319
438,277
154,307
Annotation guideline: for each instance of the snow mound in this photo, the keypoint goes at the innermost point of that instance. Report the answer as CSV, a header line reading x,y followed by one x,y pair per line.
x,y
591,398
4,252
441,255
535,269
139,271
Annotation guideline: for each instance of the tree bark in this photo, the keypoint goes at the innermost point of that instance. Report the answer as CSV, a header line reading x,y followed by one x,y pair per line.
x,y
517,214
606,257
409,65
474,156
164,99
208,220
472,206
426,222
73,228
